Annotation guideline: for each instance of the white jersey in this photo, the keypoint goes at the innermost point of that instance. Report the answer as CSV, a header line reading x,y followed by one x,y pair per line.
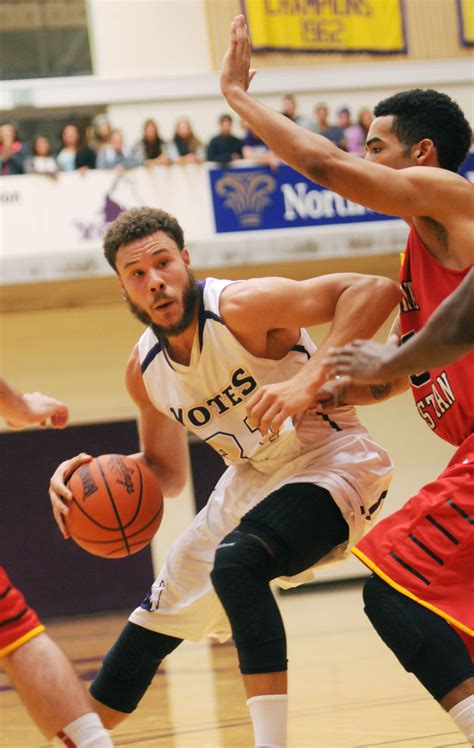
x,y
333,451
209,396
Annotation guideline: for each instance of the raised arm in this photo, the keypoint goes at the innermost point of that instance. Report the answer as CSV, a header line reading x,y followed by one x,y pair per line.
x,y
414,191
261,311
32,408
447,336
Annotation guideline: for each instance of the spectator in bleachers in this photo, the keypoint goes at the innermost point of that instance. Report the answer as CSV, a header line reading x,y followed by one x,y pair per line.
x,y
357,134
254,149
344,118
151,148
41,161
289,108
12,151
321,125
102,132
224,147
185,147
116,154
74,153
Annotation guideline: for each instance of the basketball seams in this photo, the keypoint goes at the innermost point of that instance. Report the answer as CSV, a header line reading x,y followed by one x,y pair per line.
x,y
122,524
121,527
139,502
132,535
84,512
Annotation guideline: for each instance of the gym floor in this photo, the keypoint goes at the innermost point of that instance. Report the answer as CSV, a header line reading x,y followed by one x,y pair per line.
x,y
346,688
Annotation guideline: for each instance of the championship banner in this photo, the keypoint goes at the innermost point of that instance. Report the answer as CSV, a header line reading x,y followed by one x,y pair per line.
x,y
466,21
354,26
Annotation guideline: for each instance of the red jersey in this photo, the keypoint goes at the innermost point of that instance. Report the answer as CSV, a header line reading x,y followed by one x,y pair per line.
x,y
444,396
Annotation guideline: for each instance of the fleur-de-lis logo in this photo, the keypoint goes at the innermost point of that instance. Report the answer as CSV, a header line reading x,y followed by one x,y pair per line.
x,y
247,194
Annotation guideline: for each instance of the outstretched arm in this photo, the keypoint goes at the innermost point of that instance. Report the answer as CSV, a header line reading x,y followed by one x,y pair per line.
x,y
447,336
30,409
417,190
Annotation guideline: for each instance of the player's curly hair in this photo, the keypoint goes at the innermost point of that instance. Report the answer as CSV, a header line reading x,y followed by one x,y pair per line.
x,y
137,223
429,114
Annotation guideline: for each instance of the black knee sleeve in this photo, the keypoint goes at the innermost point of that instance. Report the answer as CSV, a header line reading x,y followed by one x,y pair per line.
x,y
242,570
129,667
423,642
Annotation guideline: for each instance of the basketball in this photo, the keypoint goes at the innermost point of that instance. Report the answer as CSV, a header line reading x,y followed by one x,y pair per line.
x,y
117,506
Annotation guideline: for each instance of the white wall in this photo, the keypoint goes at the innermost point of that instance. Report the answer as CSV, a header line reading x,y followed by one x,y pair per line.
x,y
204,112
149,37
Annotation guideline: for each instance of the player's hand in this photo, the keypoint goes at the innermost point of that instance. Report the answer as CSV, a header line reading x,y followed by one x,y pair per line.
x,y
363,361
272,404
40,410
59,493
235,69
332,394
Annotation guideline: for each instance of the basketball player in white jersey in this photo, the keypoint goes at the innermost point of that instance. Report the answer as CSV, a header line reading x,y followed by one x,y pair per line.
x,y
291,498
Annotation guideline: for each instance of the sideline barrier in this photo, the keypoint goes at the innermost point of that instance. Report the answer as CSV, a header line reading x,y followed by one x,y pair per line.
x,y
51,229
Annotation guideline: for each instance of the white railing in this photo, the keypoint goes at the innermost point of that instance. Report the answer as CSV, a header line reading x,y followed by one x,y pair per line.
x,y
52,229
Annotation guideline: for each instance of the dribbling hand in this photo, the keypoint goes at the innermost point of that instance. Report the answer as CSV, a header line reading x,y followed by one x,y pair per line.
x,y
59,493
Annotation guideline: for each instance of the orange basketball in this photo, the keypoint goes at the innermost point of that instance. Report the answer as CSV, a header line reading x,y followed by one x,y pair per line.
x,y
117,506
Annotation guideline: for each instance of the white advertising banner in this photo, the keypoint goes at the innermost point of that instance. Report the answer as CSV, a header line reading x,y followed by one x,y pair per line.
x,y
52,228
73,210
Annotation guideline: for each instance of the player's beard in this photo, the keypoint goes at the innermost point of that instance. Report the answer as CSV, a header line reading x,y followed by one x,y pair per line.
x,y
189,300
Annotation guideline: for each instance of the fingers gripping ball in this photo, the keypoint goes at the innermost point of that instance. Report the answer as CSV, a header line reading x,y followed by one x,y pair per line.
x,y
117,506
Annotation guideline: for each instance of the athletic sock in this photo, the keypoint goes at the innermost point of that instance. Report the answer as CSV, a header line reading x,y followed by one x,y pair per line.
x,y
462,715
269,716
84,732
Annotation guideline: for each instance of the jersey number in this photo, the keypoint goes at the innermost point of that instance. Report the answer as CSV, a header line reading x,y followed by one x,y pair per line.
x,y
229,447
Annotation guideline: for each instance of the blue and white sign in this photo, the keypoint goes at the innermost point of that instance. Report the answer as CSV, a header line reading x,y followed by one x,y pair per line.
x,y
257,198
467,168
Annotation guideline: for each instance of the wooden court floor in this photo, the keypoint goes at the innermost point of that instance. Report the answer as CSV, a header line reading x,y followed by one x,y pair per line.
x,y
346,688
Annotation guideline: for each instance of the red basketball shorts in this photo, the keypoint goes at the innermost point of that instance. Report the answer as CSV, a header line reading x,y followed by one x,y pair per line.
x,y
426,549
18,623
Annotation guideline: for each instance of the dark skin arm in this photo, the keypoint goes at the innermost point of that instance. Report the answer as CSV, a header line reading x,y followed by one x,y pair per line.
x,y
447,336
407,187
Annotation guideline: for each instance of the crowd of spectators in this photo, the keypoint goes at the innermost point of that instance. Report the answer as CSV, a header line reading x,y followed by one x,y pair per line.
x,y
104,147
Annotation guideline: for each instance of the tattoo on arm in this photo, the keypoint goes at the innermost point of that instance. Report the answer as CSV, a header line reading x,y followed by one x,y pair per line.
x,y
380,391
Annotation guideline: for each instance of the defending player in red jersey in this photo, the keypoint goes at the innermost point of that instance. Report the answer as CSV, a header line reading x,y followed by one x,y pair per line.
x,y
40,671
415,146
447,336
442,395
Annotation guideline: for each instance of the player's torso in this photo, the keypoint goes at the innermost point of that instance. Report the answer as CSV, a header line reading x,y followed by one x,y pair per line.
x,y
209,396
444,396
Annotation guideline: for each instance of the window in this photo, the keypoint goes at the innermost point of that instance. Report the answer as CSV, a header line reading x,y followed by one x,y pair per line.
x,y
43,39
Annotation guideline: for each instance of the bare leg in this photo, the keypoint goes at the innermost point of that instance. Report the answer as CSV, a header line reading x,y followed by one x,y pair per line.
x,y
110,717
47,684
461,692
265,683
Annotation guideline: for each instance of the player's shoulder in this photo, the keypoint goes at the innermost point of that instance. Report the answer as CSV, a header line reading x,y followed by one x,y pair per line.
x,y
212,293
435,176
